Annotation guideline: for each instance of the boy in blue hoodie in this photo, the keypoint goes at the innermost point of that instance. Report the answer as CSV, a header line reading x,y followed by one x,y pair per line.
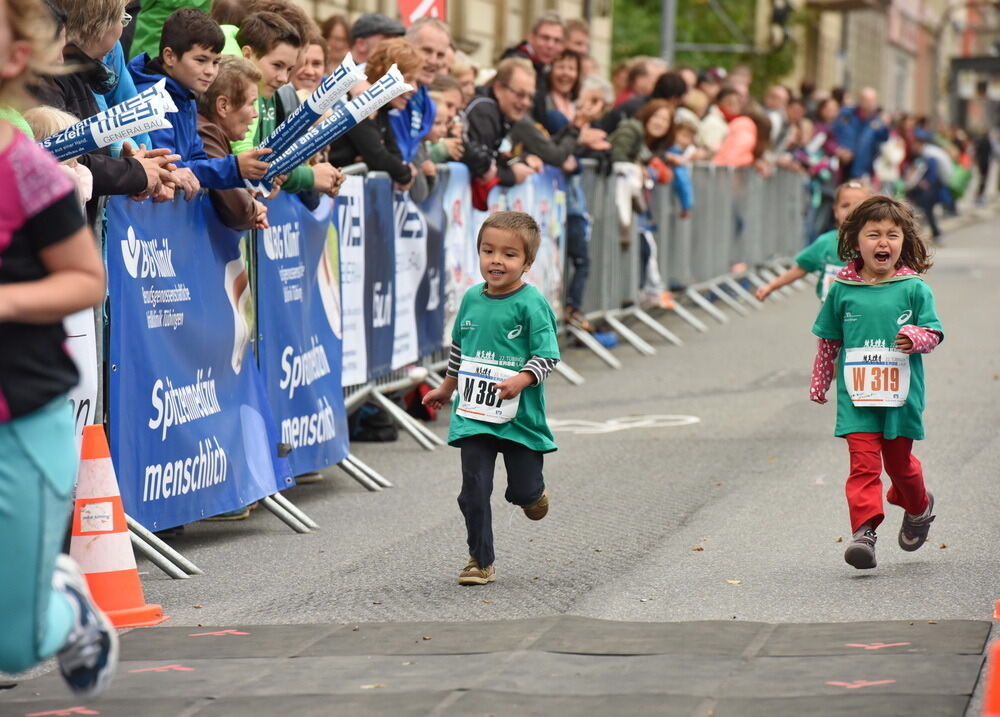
x,y
189,59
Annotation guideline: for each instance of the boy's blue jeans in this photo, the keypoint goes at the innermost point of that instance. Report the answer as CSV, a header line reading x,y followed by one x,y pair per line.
x,y
578,256
524,486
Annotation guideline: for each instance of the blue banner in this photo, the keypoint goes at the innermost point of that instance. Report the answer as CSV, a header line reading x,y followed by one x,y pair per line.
x,y
430,298
192,433
380,274
299,323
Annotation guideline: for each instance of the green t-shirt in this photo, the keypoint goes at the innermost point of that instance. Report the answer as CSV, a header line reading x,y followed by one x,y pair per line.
x,y
506,332
15,118
299,179
149,24
820,257
863,315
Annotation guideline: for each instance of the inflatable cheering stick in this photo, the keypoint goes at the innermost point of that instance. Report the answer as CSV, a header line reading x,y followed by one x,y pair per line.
x,y
145,112
330,90
346,115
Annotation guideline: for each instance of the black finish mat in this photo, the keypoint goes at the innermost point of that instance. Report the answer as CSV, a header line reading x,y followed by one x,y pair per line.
x,y
545,666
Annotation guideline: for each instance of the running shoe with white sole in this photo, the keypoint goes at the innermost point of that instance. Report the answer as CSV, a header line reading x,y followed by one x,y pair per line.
x,y
88,659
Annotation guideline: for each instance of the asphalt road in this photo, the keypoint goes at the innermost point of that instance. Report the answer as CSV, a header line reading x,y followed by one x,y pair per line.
x,y
736,516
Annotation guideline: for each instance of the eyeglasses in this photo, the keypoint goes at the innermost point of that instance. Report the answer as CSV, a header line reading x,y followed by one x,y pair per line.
x,y
519,94
126,19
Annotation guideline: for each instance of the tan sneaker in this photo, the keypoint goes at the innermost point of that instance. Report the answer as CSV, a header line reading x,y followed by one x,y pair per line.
x,y
538,509
475,575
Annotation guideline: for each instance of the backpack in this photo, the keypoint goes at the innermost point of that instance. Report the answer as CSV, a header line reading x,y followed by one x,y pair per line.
x,y
371,424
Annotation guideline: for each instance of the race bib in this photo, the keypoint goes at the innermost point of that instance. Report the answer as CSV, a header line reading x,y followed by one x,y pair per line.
x,y
877,377
478,397
830,272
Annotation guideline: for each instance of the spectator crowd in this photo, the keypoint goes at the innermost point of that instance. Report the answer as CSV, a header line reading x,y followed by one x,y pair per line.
x,y
236,69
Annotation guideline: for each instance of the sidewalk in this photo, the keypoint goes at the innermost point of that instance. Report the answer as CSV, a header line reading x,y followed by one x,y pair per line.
x,y
565,666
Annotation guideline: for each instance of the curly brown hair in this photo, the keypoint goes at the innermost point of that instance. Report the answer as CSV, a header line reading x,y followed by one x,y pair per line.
x,y
879,208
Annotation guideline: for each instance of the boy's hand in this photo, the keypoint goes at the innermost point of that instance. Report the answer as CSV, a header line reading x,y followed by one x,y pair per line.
x,y
326,178
250,166
437,397
515,384
185,180
455,147
904,343
763,292
260,217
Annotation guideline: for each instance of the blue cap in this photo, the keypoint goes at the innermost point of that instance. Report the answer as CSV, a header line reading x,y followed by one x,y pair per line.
x,y
922,135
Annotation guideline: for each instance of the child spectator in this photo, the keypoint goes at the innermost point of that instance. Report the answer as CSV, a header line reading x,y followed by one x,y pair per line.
x,y
225,111
46,121
189,59
272,44
679,157
880,377
504,345
230,14
923,181
49,268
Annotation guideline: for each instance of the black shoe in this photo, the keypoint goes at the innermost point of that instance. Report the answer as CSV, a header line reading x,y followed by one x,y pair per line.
x,y
913,531
861,552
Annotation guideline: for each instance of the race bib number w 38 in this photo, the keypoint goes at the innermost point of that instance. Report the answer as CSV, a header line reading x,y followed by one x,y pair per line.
x,y
478,397
877,377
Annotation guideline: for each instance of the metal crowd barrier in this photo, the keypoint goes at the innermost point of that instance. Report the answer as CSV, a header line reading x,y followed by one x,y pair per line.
x,y
743,228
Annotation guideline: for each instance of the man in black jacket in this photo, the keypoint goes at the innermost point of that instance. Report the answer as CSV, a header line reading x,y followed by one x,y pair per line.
x,y
488,120
543,46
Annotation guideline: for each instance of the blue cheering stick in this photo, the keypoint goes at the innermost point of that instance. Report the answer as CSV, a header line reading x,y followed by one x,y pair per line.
x,y
345,117
330,90
145,112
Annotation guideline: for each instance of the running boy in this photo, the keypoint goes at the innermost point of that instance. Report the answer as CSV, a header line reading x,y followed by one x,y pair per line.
x,y
882,313
503,347
821,257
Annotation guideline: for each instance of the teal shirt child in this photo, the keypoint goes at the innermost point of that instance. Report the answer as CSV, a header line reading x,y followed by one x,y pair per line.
x,y
506,331
860,315
821,258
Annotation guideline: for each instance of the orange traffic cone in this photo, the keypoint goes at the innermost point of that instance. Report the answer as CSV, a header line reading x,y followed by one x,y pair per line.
x,y
101,543
991,696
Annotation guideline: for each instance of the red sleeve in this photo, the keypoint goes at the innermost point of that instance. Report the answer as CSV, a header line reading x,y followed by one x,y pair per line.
x,y
823,367
924,340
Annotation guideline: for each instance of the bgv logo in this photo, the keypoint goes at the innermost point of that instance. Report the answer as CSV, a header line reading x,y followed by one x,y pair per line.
x,y
146,259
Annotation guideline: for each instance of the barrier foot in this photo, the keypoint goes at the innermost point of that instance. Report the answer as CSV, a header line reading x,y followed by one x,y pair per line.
x,y
629,335
686,315
161,547
743,293
153,556
705,304
297,512
360,477
657,326
427,433
725,296
283,515
357,398
594,345
569,374
368,471
405,421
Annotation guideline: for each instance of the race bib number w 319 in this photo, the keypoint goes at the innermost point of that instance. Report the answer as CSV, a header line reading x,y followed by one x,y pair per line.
x,y
877,377
478,397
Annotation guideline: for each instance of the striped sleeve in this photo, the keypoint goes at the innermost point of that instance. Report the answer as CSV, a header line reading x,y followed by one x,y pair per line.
x,y
540,367
454,360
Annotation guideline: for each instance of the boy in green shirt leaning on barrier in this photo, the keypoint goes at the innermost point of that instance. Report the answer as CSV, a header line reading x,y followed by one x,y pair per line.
x,y
503,347
272,44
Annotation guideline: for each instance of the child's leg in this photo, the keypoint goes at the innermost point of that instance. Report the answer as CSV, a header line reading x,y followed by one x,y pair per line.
x,y
479,458
577,252
524,474
907,475
37,472
864,484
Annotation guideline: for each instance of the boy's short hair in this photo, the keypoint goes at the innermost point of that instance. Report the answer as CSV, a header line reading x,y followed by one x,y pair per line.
x,y
292,14
234,75
46,120
229,12
445,83
264,31
520,225
187,28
